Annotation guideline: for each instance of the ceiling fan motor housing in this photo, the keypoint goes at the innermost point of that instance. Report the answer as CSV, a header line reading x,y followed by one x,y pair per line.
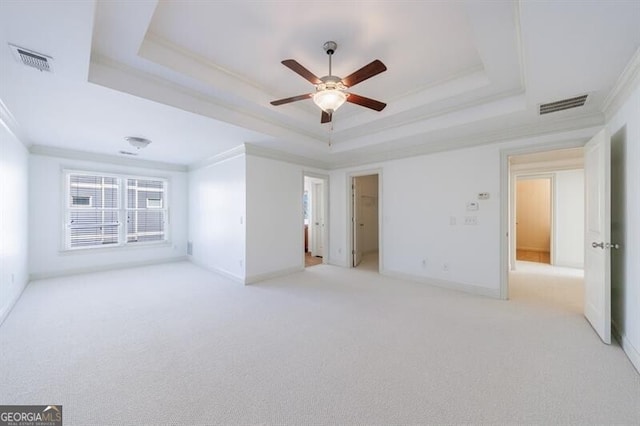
x,y
330,47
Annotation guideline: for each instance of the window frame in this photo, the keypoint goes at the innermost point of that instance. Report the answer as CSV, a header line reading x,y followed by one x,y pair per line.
x,y
122,210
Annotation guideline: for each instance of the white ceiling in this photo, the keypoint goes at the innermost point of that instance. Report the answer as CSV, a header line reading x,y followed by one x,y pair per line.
x,y
197,77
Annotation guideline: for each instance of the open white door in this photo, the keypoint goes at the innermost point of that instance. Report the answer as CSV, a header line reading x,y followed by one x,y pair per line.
x,y
356,223
597,267
317,195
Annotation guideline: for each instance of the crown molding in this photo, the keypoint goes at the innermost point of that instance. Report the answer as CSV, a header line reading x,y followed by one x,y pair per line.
x,y
259,151
624,86
107,72
71,154
274,154
11,124
218,158
589,123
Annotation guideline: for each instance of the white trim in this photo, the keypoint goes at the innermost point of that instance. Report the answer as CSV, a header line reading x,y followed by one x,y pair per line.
x,y
451,285
505,200
632,353
286,157
259,151
218,158
549,166
624,86
103,268
11,124
71,154
222,272
532,131
251,279
6,310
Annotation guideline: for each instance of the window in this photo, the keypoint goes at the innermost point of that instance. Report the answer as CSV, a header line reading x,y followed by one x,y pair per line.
x,y
98,205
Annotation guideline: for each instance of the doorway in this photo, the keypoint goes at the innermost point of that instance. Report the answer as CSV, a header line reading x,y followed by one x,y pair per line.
x,y
365,222
314,207
533,219
546,228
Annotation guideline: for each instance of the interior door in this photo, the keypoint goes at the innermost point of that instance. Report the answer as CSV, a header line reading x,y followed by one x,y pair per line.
x,y
356,223
597,266
318,219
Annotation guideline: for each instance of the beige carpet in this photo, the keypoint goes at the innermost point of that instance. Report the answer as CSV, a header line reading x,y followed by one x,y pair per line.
x,y
174,344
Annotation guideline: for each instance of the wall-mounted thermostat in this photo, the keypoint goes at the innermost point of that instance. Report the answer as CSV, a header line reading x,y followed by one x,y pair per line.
x,y
483,196
472,205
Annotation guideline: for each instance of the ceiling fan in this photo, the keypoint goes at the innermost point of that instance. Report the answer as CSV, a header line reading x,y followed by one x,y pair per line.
x,y
331,91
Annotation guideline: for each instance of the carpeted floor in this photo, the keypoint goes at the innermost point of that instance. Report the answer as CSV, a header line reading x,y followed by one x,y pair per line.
x,y
175,344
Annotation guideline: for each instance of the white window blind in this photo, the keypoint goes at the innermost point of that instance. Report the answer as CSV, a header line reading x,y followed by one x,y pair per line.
x,y
145,210
103,211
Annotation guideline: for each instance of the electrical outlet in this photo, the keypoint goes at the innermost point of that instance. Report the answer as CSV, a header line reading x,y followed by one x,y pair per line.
x,y
424,262
471,220
445,267
452,220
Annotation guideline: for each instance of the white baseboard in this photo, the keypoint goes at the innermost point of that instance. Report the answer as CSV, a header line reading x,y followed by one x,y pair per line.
x,y
102,268
338,262
452,285
574,265
632,353
4,312
233,277
251,279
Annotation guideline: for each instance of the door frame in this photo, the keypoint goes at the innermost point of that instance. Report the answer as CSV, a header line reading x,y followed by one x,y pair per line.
x,y
350,217
325,230
506,187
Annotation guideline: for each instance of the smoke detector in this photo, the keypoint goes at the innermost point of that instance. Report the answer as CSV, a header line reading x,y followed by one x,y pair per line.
x,y
32,59
137,142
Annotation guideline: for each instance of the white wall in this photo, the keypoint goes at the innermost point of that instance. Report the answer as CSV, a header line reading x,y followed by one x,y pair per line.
x,y
275,232
46,257
626,311
217,211
14,213
569,218
419,196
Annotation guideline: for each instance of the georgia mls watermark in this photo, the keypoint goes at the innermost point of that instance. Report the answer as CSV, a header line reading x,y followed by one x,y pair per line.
x,y
30,415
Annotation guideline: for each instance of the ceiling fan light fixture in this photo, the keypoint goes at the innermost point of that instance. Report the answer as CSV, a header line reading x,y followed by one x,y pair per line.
x,y
329,100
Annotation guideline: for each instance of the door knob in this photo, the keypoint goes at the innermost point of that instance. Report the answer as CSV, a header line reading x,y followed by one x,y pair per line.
x,y
596,245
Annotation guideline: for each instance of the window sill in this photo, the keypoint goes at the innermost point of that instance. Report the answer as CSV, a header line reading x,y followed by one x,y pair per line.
x,y
115,248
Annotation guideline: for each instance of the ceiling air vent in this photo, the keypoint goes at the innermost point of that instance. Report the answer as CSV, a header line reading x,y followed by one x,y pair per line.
x,y
32,59
578,101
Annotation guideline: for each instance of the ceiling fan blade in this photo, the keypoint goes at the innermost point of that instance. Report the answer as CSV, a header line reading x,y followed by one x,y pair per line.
x,y
368,71
294,66
366,102
291,99
325,118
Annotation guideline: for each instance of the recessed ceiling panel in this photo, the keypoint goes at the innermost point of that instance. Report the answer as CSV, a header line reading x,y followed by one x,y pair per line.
x,y
422,43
